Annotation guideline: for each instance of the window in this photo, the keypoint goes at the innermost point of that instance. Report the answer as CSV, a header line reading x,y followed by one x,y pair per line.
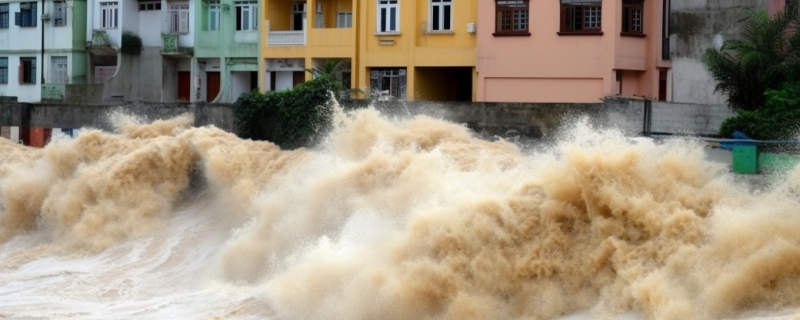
x,y
581,17
26,17
298,16
320,18
632,17
149,6
104,73
388,16
27,70
178,18
441,15
3,69
213,15
512,17
58,70
344,20
4,15
108,15
388,83
59,13
246,15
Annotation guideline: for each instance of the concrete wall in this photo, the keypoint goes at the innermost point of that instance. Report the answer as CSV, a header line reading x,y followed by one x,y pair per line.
x,y
539,120
71,116
139,77
677,118
696,25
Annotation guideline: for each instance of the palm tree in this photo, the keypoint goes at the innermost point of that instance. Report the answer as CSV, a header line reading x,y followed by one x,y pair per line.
x,y
333,71
766,55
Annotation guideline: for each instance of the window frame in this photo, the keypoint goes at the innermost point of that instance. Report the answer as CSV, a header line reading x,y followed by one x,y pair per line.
x,y
386,6
251,8
58,73
442,16
30,12
27,75
513,8
3,70
348,18
178,18
5,15
568,8
110,8
213,15
149,5
627,18
59,13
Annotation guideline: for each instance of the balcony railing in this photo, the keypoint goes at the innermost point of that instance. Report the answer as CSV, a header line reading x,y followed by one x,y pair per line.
x,y
286,38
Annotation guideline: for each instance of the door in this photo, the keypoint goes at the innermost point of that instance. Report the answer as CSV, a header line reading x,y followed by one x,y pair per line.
x,y
298,77
212,86
662,84
184,85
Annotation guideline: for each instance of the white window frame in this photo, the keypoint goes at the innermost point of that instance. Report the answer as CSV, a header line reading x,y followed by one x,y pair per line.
x,y
344,20
385,9
320,18
178,18
109,15
249,9
59,13
6,15
213,15
58,70
440,27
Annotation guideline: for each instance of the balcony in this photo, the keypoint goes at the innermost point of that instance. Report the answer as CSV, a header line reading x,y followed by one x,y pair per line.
x,y
286,38
100,44
169,46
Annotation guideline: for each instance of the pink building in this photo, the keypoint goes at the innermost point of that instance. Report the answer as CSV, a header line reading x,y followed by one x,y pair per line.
x,y
571,50
776,5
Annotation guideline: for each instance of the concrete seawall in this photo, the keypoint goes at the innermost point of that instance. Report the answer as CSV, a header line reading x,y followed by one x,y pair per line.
x,y
534,120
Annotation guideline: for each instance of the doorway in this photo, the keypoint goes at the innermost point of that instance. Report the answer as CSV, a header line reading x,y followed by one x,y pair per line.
x,y
212,86
184,85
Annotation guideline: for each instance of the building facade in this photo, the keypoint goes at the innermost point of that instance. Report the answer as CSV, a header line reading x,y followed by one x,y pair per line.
x,y
571,51
159,69
41,48
225,63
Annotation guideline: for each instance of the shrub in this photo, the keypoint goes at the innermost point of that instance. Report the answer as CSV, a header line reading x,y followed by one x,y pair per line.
x,y
293,118
779,119
131,43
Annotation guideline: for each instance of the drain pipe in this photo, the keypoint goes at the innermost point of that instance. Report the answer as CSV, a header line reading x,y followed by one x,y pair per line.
x,y
43,23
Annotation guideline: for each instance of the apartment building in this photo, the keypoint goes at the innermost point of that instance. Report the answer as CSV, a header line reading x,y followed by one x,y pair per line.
x,y
141,50
226,49
572,50
41,48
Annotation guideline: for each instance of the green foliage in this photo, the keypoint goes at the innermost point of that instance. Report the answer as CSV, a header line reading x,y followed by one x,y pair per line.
x,y
766,55
293,118
131,43
779,119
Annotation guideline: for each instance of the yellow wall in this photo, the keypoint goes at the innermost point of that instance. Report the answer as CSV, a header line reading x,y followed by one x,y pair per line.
x,y
414,45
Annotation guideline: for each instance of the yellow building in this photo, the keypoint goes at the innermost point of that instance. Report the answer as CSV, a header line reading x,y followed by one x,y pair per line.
x,y
391,49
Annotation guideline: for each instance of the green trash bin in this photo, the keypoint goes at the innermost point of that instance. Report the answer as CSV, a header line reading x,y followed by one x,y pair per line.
x,y
745,159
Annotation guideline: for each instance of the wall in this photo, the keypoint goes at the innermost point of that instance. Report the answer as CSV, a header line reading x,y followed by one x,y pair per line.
x,y
696,25
139,77
680,118
538,120
546,66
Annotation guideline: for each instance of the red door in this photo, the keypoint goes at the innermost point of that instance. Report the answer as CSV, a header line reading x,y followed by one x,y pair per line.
x,y
212,86
184,85
298,77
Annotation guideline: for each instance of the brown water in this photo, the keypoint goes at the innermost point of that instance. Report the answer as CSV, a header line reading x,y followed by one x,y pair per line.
x,y
406,219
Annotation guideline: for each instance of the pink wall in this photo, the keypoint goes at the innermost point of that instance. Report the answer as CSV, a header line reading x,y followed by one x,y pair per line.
x,y
547,67
775,5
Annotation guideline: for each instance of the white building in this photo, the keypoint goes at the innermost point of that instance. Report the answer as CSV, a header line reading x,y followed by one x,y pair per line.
x,y
161,70
22,74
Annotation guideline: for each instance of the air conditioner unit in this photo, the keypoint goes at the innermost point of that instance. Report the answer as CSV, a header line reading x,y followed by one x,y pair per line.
x,y
88,44
471,27
46,17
